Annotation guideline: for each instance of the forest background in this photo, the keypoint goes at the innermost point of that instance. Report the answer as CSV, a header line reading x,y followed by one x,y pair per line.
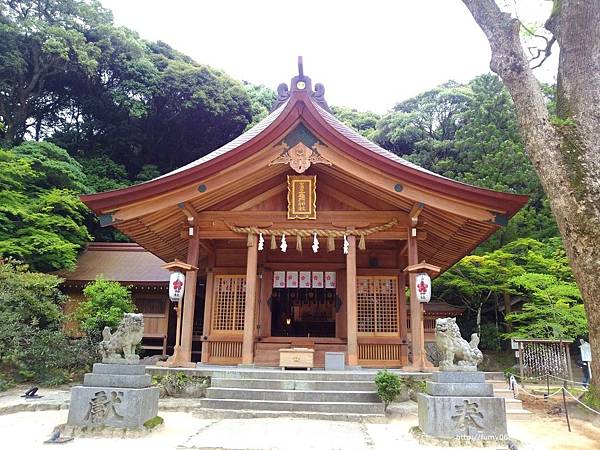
x,y
86,106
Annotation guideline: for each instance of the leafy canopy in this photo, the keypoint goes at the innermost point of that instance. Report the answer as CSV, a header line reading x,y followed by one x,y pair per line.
x,y
42,220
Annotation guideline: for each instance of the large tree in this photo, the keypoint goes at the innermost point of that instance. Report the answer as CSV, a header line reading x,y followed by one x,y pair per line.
x,y
565,150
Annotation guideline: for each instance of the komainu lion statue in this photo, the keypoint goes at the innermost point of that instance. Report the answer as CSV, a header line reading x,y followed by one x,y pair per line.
x,y
128,335
454,348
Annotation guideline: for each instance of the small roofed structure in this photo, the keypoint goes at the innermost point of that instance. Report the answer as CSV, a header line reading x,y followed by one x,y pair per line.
x,y
353,215
130,265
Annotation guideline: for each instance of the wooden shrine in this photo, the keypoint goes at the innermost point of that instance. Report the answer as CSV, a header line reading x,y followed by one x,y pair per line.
x,y
301,230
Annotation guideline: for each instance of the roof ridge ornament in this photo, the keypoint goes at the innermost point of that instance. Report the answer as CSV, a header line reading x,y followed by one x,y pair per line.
x,y
301,83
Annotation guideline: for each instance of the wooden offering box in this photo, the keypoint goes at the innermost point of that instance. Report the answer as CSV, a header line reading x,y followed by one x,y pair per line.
x,y
296,357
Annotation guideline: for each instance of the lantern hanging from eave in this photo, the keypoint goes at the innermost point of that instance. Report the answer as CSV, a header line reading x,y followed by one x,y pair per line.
x,y
423,286
176,286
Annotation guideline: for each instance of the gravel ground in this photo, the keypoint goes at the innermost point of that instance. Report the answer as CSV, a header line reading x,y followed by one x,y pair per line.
x,y
28,430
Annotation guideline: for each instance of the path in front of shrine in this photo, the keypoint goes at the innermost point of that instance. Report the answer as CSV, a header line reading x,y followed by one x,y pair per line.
x,y
183,431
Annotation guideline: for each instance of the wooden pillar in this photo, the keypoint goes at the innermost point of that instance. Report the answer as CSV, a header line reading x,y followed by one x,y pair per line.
x,y
250,307
189,298
402,316
208,297
416,310
351,309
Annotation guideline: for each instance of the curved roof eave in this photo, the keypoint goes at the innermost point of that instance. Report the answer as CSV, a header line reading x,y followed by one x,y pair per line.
x,y
301,106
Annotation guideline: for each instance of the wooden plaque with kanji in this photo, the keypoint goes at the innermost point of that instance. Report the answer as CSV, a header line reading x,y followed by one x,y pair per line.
x,y
302,196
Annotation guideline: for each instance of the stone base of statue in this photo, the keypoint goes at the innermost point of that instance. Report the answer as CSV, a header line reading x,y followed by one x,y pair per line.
x,y
461,405
114,395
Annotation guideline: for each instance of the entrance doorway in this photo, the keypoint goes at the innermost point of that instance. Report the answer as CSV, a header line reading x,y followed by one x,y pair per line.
x,y
303,312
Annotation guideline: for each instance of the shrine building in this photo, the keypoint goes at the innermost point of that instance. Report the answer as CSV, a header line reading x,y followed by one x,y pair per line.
x,y
303,233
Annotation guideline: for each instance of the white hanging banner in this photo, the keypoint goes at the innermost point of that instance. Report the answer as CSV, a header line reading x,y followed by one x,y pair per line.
x,y
283,245
304,281
292,279
423,285
329,280
317,279
261,242
176,286
279,279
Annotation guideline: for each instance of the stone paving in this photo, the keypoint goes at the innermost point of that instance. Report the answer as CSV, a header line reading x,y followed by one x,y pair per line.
x,y
185,431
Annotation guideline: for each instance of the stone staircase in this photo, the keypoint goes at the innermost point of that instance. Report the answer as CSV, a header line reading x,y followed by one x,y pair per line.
x,y
315,394
514,407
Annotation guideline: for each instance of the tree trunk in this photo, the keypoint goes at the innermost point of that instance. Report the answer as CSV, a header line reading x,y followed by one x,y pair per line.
x,y
507,310
565,153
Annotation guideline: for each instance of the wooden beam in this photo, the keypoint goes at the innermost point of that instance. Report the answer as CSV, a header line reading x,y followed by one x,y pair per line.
x,y
250,304
340,218
351,306
414,213
207,247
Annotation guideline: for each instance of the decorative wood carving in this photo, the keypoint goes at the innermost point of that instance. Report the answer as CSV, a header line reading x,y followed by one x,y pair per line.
x,y
299,157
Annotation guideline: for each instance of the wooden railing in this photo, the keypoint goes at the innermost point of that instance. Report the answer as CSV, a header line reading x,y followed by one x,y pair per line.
x,y
225,351
428,324
379,352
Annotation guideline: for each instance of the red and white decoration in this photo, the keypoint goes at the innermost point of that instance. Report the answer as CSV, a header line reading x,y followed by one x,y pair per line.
x,y
317,279
279,279
304,280
423,287
292,279
176,286
330,280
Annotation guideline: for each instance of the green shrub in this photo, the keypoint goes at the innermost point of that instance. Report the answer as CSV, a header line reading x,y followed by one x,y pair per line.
x,y
389,387
105,303
33,345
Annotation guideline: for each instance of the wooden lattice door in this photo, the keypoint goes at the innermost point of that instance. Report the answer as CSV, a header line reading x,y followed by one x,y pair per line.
x,y
228,304
377,305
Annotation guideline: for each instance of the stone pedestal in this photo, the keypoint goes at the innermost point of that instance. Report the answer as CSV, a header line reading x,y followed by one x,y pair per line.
x,y
461,405
114,395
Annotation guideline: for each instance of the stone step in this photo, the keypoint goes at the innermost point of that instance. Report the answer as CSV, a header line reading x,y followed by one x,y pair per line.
x,y
518,414
312,375
302,385
498,384
503,393
294,406
513,404
259,414
292,395
489,376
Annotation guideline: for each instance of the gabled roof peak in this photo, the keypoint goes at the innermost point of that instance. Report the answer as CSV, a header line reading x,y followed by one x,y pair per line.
x,y
301,83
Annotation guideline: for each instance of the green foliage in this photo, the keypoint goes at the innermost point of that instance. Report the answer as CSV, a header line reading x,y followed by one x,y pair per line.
x,y
103,174
262,99
389,387
554,309
104,305
363,122
32,343
42,220
489,337
536,272
147,173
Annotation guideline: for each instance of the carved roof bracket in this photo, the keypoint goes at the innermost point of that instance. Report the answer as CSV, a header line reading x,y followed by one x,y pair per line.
x,y
300,157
